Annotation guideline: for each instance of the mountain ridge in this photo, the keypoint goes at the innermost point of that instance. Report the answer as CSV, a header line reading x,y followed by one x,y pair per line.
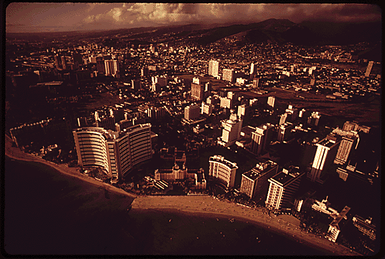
x,y
270,30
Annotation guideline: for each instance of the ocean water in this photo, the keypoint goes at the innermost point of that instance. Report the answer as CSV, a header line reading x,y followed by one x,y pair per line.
x,y
47,213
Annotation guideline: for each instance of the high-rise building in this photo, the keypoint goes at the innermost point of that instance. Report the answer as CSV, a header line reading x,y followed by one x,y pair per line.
x,y
191,112
196,90
282,188
302,113
77,59
63,62
213,68
223,170
152,68
311,69
92,59
251,69
111,67
156,112
314,118
135,84
242,111
345,148
206,108
255,181
284,131
282,118
231,131
226,102
160,80
255,82
57,60
349,126
228,75
144,72
325,154
271,101
117,152
369,69
207,87
100,67
260,138
292,111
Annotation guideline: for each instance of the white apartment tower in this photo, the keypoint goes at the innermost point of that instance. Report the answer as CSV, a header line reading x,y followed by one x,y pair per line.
x,y
117,152
223,170
251,68
228,75
213,68
325,153
111,67
282,188
231,131
271,101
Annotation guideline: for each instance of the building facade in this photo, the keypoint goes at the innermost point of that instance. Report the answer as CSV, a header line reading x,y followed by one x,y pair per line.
x,y
228,75
344,149
111,67
196,91
260,138
282,188
223,170
117,152
255,181
325,154
284,131
192,112
231,131
213,68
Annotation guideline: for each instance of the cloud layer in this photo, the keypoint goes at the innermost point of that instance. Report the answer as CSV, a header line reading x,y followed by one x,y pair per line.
x,y
92,16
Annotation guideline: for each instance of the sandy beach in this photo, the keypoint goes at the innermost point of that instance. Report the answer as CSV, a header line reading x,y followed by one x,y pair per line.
x,y
204,204
197,204
16,153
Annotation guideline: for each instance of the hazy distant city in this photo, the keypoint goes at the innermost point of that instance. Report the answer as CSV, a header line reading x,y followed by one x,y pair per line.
x,y
276,115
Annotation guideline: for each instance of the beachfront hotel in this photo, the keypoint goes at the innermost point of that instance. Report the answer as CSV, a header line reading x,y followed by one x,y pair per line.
x,y
254,182
282,188
179,170
117,152
223,170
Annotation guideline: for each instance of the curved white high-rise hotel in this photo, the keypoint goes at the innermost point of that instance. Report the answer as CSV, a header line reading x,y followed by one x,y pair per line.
x,y
91,146
117,152
223,170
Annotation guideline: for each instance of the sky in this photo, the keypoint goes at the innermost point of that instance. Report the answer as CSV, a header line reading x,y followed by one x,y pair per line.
x,y
52,17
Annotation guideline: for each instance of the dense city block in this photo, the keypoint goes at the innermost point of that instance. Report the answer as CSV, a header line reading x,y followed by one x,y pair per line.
x,y
271,121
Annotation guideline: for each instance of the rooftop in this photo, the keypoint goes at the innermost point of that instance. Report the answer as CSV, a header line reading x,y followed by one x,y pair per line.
x,y
259,169
219,158
328,142
284,177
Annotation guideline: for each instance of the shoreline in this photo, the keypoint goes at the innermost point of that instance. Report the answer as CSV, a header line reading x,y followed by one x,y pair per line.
x,y
203,205
16,154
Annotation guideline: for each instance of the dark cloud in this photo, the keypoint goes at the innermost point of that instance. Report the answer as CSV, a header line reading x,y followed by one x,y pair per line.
x,y
71,16
347,13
